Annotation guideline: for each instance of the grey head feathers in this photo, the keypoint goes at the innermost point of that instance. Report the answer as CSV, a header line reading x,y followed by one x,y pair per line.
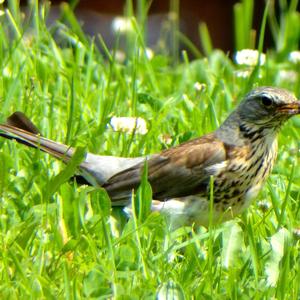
x,y
263,109
262,106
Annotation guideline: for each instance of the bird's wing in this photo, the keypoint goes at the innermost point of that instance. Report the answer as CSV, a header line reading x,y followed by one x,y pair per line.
x,y
176,172
180,171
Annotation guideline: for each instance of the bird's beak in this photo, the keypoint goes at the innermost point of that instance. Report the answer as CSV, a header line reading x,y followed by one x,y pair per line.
x,y
292,108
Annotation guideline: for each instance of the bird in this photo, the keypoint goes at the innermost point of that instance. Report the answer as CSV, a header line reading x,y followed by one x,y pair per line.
x,y
226,167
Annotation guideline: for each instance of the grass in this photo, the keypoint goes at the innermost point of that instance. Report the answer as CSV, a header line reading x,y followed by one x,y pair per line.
x,y
58,240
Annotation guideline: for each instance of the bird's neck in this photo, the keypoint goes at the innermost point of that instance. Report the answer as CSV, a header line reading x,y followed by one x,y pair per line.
x,y
238,132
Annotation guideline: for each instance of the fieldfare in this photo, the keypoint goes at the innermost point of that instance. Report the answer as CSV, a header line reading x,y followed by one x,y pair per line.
x,y
238,157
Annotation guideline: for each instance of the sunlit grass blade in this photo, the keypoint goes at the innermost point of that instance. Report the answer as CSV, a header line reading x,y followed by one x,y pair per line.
x,y
66,173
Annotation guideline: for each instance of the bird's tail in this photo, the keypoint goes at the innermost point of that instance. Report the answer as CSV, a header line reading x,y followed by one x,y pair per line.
x,y
95,169
18,127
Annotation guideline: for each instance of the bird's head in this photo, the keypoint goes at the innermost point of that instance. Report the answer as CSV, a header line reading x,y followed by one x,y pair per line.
x,y
268,107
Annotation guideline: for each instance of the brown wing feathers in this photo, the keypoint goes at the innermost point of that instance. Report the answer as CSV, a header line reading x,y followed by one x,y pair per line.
x,y
176,172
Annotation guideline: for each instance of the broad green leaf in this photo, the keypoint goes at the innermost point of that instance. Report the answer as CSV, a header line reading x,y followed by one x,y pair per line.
x,y
66,173
278,243
233,244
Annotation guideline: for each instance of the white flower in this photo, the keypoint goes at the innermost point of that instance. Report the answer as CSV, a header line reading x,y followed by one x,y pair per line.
x,y
296,233
165,139
199,86
149,53
243,73
7,72
121,24
246,73
249,57
288,75
264,206
294,57
120,56
129,125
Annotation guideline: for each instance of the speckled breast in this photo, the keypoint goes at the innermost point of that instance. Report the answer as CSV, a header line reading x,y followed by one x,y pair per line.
x,y
247,168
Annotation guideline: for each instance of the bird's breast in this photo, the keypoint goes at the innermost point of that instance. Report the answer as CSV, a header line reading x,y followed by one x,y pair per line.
x,y
243,174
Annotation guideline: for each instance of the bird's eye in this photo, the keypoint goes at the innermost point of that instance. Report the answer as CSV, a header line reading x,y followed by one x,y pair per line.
x,y
266,101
